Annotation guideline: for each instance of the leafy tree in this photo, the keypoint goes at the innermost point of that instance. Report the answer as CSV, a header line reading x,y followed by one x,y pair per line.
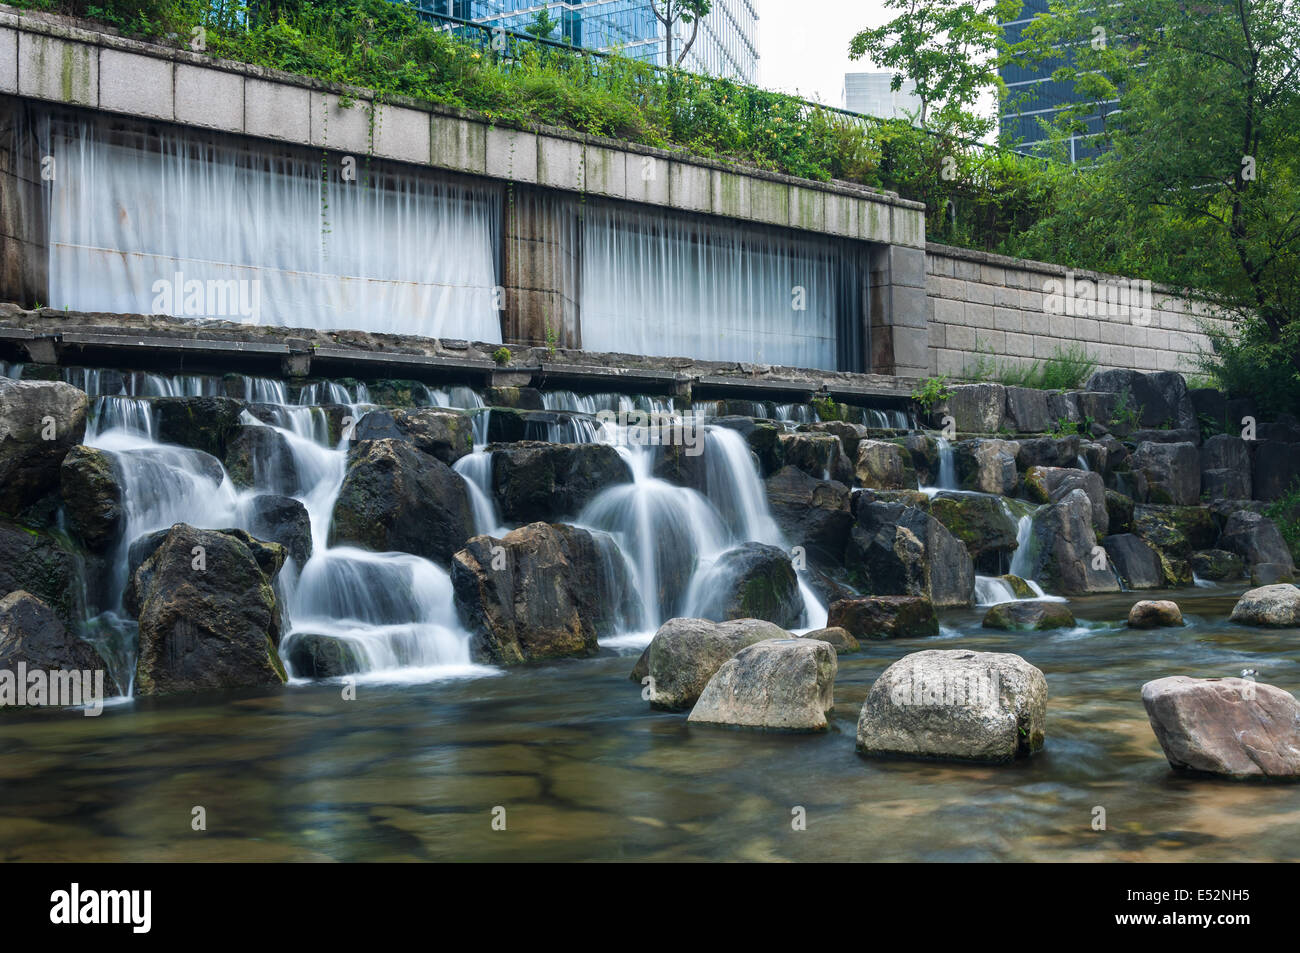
x,y
672,12
949,49
1200,183
543,25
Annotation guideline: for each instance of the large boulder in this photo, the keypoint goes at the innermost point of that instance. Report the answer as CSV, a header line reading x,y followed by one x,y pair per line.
x,y
1217,565
750,581
778,685
1161,529
811,513
395,498
31,633
1029,410
321,656
547,592
208,615
283,520
1155,614
884,617
259,456
40,564
987,465
1257,540
884,465
1226,468
820,455
841,640
1053,484
200,423
91,486
442,433
1137,563
1119,511
685,653
959,705
900,550
1048,452
1231,727
1160,399
981,522
1275,468
1062,547
1172,472
976,408
851,435
550,481
1029,615
40,421
1274,607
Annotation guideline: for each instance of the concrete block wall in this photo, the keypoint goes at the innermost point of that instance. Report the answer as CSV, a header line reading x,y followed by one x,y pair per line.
x,y
988,306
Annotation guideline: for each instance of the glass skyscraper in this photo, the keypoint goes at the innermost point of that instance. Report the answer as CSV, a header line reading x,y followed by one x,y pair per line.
x,y
727,44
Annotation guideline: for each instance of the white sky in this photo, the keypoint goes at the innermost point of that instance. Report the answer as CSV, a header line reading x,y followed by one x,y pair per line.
x,y
804,44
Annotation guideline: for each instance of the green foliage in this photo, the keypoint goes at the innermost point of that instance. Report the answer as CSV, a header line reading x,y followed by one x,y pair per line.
x,y
1067,369
1285,512
931,391
502,356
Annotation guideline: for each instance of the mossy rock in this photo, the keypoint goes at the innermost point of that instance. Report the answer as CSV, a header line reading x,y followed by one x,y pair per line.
x,y
1029,616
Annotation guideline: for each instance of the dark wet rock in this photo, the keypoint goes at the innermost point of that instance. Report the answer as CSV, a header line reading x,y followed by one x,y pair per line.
x,y
1232,727
1155,614
811,513
395,498
31,633
1028,410
820,455
550,481
1048,452
321,656
200,423
549,591
283,520
521,398
91,487
1172,472
988,707
924,452
778,685
841,640
1019,588
1136,562
1276,607
40,421
1053,484
1217,565
884,465
1096,455
208,615
42,565
1226,468
1275,468
1103,408
445,434
1159,527
763,437
685,654
1211,406
884,617
851,435
1164,436
900,550
751,581
1119,512
1029,615
260,457
1063,546
1161,399
987,465
1257,540
981,522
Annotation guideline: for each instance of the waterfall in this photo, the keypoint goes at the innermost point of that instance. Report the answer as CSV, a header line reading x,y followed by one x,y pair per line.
x,y
476,470
182,224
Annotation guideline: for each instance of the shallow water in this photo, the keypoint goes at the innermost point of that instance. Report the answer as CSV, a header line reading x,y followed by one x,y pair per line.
x,y
585,770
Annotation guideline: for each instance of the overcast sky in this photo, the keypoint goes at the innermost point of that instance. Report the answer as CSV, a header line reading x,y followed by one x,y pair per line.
x,y
804,44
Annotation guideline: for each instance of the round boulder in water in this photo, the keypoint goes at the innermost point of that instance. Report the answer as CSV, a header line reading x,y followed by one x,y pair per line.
x,y
778,685
1269,606
1155,614
955,705
751,581
685,653
1232,727
31,633
841,640
1034,615
91,487
321,656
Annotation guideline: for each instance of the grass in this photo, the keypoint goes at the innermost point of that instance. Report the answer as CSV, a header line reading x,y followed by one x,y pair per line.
x,y
1285,512
1067,369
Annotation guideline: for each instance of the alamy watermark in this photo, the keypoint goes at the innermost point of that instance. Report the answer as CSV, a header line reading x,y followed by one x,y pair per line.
x,y
64,688
1107,298
645,428
948,689
179,297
